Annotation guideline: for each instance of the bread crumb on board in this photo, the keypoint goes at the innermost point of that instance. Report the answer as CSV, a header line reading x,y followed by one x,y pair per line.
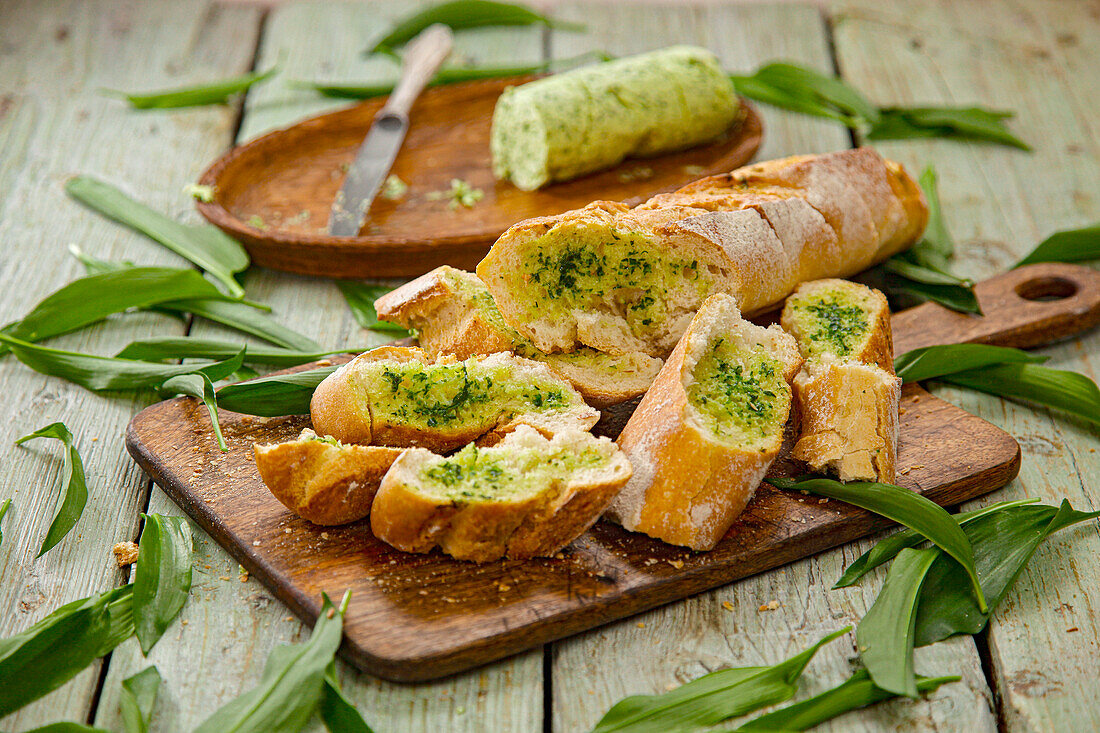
x,y
727,605
769,606
126,553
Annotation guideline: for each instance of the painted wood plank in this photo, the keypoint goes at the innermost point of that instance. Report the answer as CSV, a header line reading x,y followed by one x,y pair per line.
x,y
54,123
1032,58
658,650
318,41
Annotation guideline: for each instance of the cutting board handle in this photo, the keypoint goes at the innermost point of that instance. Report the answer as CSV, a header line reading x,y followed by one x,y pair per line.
x,y
1031,306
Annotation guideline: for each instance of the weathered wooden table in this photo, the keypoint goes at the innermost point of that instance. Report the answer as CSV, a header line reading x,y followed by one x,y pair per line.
x,y
1037,667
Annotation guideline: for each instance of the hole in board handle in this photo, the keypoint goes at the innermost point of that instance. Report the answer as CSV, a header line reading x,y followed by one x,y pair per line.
x,y
1047,289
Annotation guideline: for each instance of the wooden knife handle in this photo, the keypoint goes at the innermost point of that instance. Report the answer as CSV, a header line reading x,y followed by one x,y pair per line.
x,y
423,57
1024,308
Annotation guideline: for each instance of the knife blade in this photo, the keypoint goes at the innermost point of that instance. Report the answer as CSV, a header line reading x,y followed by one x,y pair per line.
x,y
375,157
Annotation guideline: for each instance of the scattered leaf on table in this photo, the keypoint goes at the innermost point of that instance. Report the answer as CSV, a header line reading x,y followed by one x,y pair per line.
x,y
193,347
799,88
336,711
139,695
217,92
1063,390
50,653
74,486
162,580
884,635
902,506
712,698
204,245
966,123
67,727
1071,245
248,320
936,246
201,388
275,395
3,510
930,362
956,297
360,298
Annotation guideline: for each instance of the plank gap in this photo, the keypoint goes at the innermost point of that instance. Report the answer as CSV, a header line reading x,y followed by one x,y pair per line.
x,y
238,119
981,643
834,60
548,688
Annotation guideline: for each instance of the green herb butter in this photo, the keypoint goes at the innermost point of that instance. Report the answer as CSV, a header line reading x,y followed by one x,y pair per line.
x,y
833,322
738,392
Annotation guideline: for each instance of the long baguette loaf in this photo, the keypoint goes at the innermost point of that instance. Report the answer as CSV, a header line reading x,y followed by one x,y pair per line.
x,y
706,432
454,315
398,396
624,280
527,496
847,393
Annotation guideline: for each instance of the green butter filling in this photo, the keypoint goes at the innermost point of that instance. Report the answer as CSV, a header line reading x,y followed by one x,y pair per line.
x,y
738,392
831,323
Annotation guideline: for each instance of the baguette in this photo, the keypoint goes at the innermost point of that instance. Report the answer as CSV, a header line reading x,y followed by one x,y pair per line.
x,y
623,280
454,315
527,496
847,393
706,432
321,479
398,396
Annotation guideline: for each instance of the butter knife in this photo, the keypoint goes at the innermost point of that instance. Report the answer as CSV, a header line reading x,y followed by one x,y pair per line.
x,y
372,163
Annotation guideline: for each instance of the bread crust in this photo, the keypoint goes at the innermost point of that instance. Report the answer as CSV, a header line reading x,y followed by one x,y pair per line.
x,y
536,526
323,483
688,488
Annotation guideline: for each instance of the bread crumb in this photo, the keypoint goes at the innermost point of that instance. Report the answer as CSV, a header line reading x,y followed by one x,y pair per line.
x,y
331,613
1072,629
641,624
676,563
769,606
822,501
287,530
288,618
126,553
324,535
324,362
727,605
243,577
223,577
255,543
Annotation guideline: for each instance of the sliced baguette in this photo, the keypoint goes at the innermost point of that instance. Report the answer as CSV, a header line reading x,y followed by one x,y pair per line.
x,y
706,432
621,280
454,314
400,397
847,394
527,496
321,479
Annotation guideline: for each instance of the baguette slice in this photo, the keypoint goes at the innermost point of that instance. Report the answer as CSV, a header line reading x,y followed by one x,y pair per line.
x,y
706,432
454,314
621,280
527,496
847,394
322,480
400,397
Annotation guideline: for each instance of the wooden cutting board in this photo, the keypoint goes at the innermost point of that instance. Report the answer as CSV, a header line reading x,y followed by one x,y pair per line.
x,y
417,617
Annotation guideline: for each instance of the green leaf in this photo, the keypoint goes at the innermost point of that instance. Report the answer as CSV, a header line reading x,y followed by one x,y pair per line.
x,y
360,298
139,695
1003,543
101,373
192,347
67,727
1071,245
902,506
858,691
3,510
336,711
292,685
956,297
884,635
712,698
793,100
936,246
274,395
217,92
162,580
74,486
935,361
205,245
887,549
90,299
201,388
462,14
903,265
246,319
965,123
1063,390
807,83
50,653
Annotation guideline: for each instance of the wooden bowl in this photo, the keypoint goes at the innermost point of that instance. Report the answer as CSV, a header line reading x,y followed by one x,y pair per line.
x,y
274,193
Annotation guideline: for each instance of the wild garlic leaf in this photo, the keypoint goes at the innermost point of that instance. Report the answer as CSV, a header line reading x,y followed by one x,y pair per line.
x,y
162,580
902,506
67,727
712,698
1063,390
931,362
858,691
936,246
360,298
965,123
139,695
3,510
884,635
887,549
956,297
274,395
292,685
247,320
801,83
50,653
1071,245
204,245
462,14
193,347
907,268
1003,543
74,486
103,373
200,387
759,90
217,92
336,711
